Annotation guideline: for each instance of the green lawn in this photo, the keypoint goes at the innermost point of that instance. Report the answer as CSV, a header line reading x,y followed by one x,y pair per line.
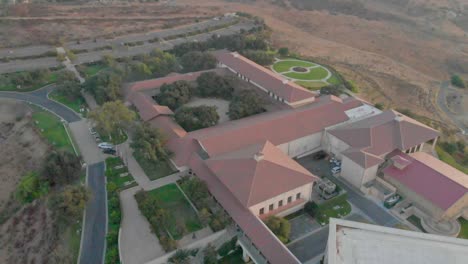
x,y
179,209
464,228
154,170
7,86
90,70
314,74
282,66
313,86
73,104
416,221
53,130
334,80
447,158
336,207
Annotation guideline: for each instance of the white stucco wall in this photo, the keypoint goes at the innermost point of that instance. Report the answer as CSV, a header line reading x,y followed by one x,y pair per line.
x,y
302,145
352,172
305,190
334,145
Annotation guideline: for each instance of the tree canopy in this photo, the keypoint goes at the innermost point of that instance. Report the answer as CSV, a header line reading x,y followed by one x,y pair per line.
x,y
197,117
112,117
71,202
259,56
151,143
197,61
245,103
210,84
175,94
60,168
280,227
105,86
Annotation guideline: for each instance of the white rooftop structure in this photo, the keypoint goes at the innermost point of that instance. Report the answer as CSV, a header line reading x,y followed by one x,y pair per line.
x,y
362,111
357,243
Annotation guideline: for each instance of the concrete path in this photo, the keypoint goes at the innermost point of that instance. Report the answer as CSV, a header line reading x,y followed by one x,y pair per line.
x,y
137,244
126,153
95,225
88,147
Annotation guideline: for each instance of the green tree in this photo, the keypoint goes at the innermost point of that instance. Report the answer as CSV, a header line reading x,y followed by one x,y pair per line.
x,y
60,168
197,61
30,188
71,202
175,94
205,216
380,106
210,255
197,117
70,89
245,103
109,60
151,143
112,117
283,51
41,75
311,208
161,63
105,86
457,81
280,227
331,89
210,84
259,56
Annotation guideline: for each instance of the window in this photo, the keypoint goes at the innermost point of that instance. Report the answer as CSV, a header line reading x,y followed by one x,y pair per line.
x,y
271,207
262,211
280,203
298,196
289,199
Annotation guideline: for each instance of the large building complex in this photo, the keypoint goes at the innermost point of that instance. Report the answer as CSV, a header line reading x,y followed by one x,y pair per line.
x,y
249,165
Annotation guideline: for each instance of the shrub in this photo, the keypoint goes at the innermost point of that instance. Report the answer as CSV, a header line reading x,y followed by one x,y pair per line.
x,y
311,208
380,106
457,81
175,94
197,61
283,51
280,227
227,247
210,84
259,56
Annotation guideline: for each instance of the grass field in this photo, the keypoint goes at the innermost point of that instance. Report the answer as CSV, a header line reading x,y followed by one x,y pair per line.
x,y
334,80
53,130
73,104
335,211
7,86
464,228
313,86
154,170
314,74
113,175
282,66
179,209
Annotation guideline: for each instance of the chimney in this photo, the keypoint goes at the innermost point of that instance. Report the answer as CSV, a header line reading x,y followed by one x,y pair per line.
x,y
259,156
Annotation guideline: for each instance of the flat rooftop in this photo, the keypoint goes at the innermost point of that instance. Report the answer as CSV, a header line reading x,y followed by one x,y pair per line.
x,y
357,243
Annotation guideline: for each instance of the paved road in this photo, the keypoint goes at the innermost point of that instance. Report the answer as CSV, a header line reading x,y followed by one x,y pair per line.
x,y
441,101
39,98
94,230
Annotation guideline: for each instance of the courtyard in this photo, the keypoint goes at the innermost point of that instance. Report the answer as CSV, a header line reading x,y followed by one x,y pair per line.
x,y
222,106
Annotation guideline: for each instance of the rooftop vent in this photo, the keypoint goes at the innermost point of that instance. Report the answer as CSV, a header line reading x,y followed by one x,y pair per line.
x,y
400,163
259,156
285,81
235,54
398,117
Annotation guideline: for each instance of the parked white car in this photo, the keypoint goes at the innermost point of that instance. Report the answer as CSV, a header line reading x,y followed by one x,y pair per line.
x,y
335,170
105,145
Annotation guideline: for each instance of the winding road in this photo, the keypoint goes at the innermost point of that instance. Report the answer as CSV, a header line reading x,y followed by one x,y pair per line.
x,y
95,219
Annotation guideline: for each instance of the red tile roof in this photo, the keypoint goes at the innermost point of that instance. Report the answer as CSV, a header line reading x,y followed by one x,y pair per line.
x,y
381,134
269,80
247,172
265,241
431,178
277,127
147,107
170,128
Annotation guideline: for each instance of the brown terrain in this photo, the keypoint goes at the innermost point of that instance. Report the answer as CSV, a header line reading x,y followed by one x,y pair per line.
x,y
397,51
27,234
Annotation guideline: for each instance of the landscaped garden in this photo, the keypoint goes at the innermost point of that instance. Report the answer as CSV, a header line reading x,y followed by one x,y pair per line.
x,y
305,73
336,207
154,169
118,179
76,104
53,130
169,213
